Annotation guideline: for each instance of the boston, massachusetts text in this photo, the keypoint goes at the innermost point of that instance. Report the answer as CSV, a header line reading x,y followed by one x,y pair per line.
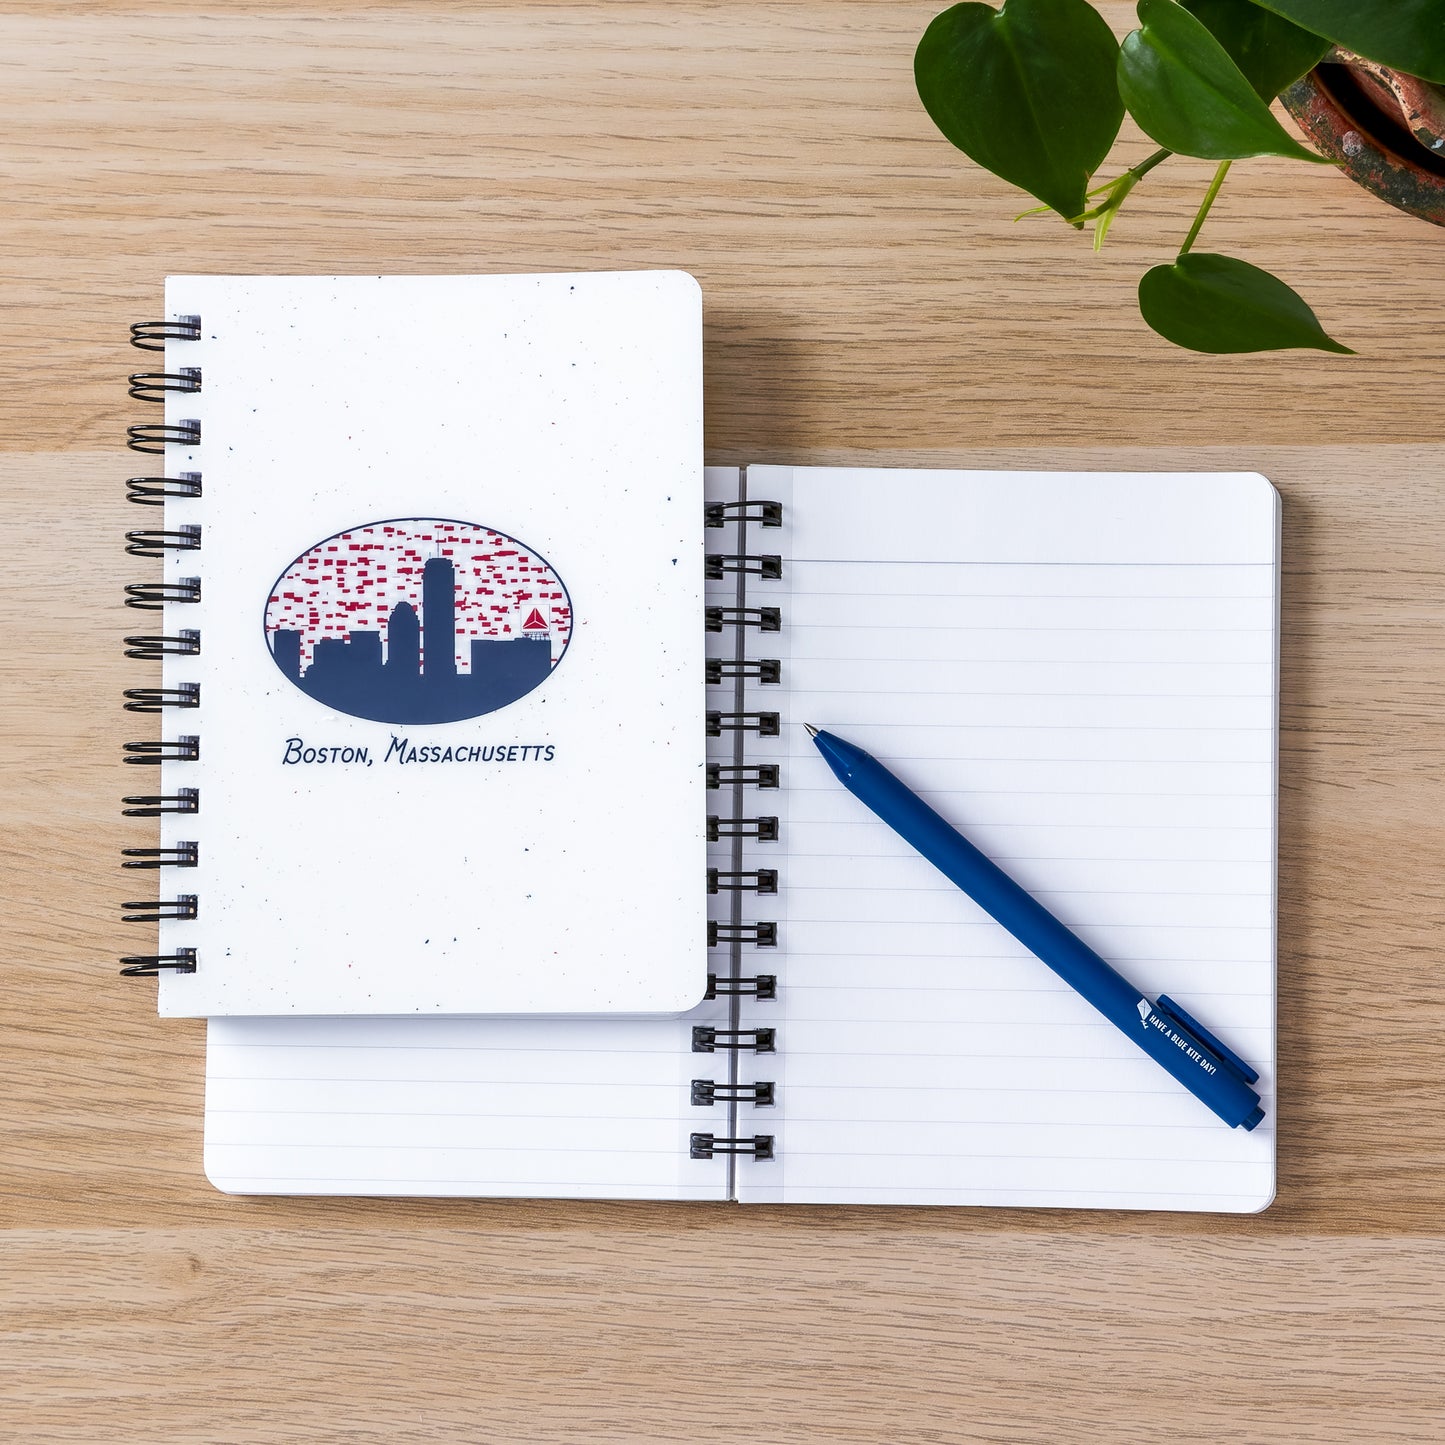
x,y
402,751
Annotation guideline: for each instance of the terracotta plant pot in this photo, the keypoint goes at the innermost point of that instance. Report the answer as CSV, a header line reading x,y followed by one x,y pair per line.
x,y
1386,129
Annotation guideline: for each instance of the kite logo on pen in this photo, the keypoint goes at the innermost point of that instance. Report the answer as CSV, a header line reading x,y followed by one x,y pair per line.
x,y
418,620
1144,1012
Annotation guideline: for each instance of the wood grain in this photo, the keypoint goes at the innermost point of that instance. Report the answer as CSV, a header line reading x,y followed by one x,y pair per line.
x,y
869,300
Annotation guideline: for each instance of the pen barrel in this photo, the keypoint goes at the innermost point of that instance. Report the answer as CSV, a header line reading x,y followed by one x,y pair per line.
x,y
1172,1040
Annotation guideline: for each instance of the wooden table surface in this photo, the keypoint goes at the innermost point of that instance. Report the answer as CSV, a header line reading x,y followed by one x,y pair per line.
x,y
869,300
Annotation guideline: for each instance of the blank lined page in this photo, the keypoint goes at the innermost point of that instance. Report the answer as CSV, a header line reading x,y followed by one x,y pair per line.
x,y
553,1108
1078,671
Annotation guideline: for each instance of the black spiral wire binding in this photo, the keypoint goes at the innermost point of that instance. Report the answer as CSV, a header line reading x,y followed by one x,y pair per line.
x,y
725,935
187,643
153,596
705,1093
153,438
765,619
168,750
157,544
764,829
155,385
153,910
760,985
739,825
157,699
765,514
709,1040
706,1146
150,965
765,724
153,491
740,775
153,335
718,564
181,855
760,669
152,805
749,880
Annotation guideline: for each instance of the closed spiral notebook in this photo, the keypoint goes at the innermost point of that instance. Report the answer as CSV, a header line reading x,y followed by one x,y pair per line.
x,y
427,725
1080,670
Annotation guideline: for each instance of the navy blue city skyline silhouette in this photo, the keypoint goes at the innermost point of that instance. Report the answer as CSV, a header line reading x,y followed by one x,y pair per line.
x,y
350,675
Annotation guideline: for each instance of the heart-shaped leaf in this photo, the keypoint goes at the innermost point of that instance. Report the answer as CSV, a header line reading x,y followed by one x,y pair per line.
x,y
1181,86
1271,51
1028,91
1408,35
1216,304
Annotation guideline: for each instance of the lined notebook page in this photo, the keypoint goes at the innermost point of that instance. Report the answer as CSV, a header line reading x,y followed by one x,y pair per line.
x,y
1080,672
528,1107
550,1108
575,1108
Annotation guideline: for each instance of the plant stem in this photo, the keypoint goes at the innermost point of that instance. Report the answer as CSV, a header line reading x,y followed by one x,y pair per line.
x,y
1128,179
1116,192
1208,201
1147,165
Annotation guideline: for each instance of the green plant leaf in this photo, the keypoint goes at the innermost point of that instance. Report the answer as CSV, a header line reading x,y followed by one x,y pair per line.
x,y
1406,34
1271,51
1219,305
1028,91
1181,86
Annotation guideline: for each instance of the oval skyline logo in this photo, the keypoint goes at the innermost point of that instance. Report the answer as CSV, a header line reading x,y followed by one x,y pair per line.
x,y
418,620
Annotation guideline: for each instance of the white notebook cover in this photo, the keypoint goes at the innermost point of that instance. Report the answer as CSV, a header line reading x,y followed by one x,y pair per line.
x,y
1081,672
509,823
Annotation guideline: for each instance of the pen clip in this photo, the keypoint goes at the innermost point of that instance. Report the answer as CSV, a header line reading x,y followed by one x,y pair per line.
x,y
1171,1010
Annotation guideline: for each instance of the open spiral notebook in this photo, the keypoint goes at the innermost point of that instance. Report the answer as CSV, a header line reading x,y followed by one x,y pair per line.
x,y
1080,670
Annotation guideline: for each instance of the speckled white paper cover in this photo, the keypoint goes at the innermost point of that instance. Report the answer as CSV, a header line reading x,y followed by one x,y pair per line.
x,y
451,689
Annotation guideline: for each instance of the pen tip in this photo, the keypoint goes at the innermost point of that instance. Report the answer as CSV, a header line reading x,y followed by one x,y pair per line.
x,y
812,731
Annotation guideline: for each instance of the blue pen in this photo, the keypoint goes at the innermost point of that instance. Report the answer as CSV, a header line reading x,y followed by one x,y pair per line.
x,y
1212,1073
